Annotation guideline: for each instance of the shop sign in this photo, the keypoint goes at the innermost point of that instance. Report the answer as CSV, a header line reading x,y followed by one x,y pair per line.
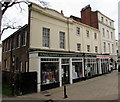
x,y
59,55
103,56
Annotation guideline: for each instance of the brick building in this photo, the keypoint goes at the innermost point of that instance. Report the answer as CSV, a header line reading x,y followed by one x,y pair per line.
x,y
15,51
56,47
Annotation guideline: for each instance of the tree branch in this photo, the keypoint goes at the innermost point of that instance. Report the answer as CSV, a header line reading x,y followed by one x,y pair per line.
x,y
10,27
7,5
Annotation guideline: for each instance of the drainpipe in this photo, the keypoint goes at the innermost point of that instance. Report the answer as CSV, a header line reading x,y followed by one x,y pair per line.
x,y
68,34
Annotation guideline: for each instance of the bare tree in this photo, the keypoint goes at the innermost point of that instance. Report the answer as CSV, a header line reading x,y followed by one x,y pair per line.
x,y
6,4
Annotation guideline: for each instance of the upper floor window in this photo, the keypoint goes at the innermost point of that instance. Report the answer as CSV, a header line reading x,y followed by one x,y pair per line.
x,y
111,35
87,33
112,48
96,49
103,32
95,35
46,37
102,19
9,44
78,47
62,39
78,30
5,63
106,21
17,41
108,33
109,47
88,48
104,46
110,24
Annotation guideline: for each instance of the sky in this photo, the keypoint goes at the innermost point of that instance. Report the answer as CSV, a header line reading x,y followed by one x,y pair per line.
x,y
69,7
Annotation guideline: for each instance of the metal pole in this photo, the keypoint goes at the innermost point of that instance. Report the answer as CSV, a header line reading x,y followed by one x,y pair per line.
x,y
65,93
0,19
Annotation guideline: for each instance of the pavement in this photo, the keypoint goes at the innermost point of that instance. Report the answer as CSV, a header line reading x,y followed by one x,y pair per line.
x,y
104,87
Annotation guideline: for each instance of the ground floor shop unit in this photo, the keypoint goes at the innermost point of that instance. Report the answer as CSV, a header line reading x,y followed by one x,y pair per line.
x,y
56,69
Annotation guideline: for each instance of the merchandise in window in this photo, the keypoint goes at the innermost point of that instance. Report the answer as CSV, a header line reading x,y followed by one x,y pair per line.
x,y
50,73
77,70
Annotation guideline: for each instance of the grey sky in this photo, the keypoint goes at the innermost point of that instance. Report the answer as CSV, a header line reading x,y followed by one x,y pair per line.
x,y
69,7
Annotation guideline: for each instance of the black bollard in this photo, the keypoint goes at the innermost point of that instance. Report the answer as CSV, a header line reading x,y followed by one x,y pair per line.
x,y
13,89
65,93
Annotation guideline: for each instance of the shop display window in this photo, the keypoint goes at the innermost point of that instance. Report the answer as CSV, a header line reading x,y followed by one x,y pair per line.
x,y
77,70
90,67
50,73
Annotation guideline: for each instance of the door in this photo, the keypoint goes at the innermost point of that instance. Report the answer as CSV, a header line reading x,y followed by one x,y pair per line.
x,y
65,74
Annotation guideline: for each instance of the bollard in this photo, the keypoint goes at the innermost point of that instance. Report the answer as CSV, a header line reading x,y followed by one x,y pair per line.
x,y
13,89
65,93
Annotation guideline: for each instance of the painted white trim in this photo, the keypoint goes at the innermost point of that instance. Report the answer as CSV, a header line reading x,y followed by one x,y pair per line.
x,y
71,79
60,72
39,75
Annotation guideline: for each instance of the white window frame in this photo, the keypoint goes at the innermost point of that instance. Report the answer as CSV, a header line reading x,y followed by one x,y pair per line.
x,y
78,30
46,37
78,47
95,36
62,39
88,48
87,33
96,49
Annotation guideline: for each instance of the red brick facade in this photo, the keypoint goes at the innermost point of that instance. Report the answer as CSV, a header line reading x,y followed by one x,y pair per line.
x,y
15,51
89,17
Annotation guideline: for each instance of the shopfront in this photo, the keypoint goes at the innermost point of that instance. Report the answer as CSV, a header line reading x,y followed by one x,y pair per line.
x,y
91,67
77,69
104,61
54,69
49,73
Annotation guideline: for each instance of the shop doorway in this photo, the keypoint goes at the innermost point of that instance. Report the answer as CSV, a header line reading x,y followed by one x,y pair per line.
x,y
65,74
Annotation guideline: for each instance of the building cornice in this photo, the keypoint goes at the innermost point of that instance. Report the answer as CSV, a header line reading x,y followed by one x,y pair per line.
x,y
45,11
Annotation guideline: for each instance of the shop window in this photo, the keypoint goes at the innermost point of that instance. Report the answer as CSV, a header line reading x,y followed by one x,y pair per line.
x,y
77,70
65,61
46,37
90,67
50,73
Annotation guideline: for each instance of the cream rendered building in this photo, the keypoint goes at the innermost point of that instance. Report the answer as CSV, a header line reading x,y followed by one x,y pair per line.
x,y
107,32
62,50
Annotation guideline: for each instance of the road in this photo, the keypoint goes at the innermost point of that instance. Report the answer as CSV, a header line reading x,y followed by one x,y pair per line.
x,y
104,87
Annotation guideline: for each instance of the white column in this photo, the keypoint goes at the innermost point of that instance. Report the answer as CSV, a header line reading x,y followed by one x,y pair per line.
x,y
83,70
60,72
100,69
71,79
38,74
